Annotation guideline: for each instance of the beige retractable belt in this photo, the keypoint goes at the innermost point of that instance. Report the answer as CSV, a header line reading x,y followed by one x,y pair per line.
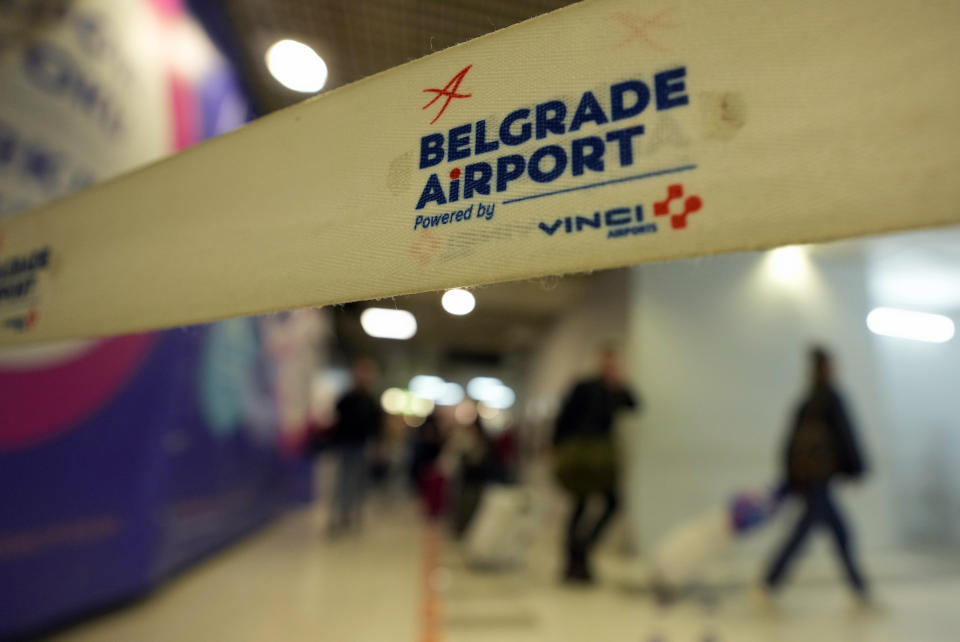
x,y
609,133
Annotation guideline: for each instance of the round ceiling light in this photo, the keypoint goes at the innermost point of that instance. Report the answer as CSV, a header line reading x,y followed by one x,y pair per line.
x,y
297,66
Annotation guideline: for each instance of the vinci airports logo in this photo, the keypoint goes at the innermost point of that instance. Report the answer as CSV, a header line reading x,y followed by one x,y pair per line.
x,y
629,221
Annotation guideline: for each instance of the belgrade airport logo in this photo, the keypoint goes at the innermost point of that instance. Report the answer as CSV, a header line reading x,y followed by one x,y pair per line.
x,y
18,283
593,136
449,91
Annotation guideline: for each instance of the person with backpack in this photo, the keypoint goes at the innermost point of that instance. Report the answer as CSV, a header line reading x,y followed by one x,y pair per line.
x,y
822,447
585,459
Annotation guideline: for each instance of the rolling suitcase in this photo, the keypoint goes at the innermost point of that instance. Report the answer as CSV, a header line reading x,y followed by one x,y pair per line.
x,y
501,529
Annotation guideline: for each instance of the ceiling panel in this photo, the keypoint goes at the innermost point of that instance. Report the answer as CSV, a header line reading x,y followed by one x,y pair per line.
x,y
362,37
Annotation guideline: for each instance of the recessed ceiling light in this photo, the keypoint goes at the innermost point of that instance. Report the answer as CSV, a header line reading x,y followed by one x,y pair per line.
x,y
458,301
297,66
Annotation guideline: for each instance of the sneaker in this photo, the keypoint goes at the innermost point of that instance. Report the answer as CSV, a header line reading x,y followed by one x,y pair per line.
x,y
578,573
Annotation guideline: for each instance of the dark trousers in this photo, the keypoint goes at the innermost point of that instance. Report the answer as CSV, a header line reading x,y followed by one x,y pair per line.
x,y
582,536
350,487
819,510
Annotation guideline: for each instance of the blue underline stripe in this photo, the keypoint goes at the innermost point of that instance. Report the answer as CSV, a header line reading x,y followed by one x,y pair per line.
x,y
672,170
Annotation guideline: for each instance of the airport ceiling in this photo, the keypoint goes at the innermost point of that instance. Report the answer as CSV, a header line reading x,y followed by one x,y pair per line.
x,y
508,321
358,38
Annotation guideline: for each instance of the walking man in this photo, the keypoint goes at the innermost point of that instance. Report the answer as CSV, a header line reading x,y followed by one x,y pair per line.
x,y
822,447
586,461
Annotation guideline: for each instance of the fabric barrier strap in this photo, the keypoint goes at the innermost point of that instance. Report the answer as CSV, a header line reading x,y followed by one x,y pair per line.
x,y
609,133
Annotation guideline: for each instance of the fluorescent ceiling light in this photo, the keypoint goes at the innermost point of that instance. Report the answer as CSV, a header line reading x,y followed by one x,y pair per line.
x,y
401,402
492,392
427,386
788,265
384,323
394,400
501,398
452,394
296,66
443,393
419,407
908,324
481,387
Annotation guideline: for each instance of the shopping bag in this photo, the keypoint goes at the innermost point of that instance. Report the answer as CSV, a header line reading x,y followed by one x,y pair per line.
x,y
585,465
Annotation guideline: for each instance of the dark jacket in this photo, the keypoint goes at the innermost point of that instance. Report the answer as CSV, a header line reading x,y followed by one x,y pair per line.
x,y
589,410
359,419
825,405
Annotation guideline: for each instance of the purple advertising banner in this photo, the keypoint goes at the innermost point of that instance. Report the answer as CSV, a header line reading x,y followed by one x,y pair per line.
x,y
174,449
124,459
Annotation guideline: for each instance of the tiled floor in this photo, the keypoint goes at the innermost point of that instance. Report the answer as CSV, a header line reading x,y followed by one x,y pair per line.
x,y
290,583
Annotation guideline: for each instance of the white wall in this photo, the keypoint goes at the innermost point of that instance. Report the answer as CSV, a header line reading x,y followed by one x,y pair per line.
x,y
717,350
569,350
922,386
921,382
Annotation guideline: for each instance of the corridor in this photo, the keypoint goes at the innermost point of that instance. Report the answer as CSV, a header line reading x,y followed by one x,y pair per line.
x,y
290,583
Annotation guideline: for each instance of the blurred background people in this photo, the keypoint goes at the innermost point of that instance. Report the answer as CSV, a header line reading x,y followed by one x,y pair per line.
x,y
479,465
821,447
426,477
389,462
359,422
585,459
